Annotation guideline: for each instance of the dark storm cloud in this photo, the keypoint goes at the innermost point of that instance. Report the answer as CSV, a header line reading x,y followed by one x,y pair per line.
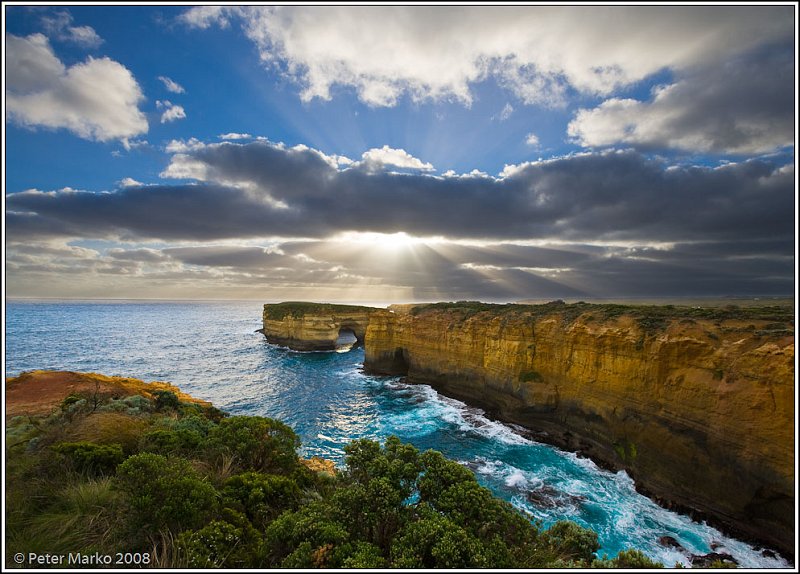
x,y
508,272
621,275
269,191
617,223
163,212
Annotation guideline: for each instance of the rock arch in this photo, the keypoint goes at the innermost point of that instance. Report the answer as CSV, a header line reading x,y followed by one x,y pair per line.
x,y
314,326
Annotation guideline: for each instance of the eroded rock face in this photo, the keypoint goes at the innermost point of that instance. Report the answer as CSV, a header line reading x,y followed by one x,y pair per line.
x,y
700,411
313,326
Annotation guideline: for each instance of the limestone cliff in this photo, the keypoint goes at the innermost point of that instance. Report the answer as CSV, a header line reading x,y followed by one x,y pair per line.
x,y
696,404
313,326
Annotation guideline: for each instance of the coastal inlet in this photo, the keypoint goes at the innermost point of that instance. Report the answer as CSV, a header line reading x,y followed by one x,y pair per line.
x,y
329,400
697,405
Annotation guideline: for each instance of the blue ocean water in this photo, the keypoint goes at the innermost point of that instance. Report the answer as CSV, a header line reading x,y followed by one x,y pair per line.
x,y
212,351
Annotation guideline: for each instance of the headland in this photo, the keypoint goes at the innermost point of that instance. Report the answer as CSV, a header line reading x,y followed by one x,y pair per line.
x,y
696,404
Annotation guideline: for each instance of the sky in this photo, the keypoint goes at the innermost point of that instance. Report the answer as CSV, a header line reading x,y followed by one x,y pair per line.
x,y
399,153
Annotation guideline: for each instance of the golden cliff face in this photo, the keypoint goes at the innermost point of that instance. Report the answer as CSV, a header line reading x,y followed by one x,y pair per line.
x,y
313,326
697,405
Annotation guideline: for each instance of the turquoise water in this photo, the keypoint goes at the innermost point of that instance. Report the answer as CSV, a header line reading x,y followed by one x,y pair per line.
x,y
212,351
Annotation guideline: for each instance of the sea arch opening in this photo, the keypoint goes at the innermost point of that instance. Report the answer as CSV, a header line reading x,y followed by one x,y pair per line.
x,y
347,339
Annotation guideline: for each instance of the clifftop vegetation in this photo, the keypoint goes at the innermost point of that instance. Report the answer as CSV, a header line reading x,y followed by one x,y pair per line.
x,y
181,484
649,316
296,309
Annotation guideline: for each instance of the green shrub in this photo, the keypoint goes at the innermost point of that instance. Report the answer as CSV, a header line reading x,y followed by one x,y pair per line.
x,y
397,462
70,400
20,430
92,458
629,559
132,405
569,542
298,539
439,474
192,422
256,443
165,492
213,546
358,555
262,497
485,516
228,543
373,512
436,542
180,441
166,400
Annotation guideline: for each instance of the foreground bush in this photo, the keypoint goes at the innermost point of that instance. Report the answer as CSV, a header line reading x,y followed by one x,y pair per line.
x,y
91,458
193,488
165,492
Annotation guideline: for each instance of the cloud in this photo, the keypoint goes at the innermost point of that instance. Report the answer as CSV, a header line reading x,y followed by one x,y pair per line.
x,y
262,189
129,182
506,112
205,16
129,144
395,157
172,112
532,140
232,256
141,254
744,106
97,99
181,146
171,85
59,25
445,270
440,52
234,136
31,64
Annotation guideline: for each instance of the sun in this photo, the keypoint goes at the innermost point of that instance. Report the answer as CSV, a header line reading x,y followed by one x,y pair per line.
x,y
386,241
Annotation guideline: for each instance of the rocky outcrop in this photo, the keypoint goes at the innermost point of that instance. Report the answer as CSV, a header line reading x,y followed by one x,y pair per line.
x,y
313,326
696,404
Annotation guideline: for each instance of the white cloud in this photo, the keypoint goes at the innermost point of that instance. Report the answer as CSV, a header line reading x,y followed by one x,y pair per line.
x,y
506,112
204,16
59,25
395,157
129,182
532,140
183,146
713,109
172,112
183,166
235,136
129,144
31,64
172,85
97,99
537,52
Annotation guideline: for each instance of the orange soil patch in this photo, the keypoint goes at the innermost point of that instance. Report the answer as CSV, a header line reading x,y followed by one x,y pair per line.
x,y
40,392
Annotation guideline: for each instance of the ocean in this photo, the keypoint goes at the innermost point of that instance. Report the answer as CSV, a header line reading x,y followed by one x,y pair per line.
x,y
212,351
